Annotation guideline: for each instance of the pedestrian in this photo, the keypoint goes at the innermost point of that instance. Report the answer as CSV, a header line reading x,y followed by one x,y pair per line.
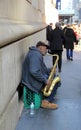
x,y
57,41
70,38
35,73
49,29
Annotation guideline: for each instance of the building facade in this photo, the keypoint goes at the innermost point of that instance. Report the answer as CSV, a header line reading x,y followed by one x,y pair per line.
x,y
22,24
69,11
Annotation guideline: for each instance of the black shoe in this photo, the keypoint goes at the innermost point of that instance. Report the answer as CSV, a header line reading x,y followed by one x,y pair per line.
x,y
59,71
68,58
71,58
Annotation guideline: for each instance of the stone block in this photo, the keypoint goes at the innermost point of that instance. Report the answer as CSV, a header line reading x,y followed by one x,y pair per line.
x,y
11,114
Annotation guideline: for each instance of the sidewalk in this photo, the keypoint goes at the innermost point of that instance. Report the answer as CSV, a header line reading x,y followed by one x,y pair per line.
x,y
68,98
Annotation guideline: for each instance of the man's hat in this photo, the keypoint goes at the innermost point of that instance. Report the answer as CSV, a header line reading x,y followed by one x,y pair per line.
x,y
41,44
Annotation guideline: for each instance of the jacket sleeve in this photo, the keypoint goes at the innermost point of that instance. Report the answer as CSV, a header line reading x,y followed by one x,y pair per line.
x,y
35,68
74,36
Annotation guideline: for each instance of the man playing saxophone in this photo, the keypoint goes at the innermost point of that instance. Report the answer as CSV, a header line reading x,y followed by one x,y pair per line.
x,y
35,73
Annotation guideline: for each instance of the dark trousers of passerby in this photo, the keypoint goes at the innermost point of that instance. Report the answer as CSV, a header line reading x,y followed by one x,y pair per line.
x,y
69,54
59,53
49,50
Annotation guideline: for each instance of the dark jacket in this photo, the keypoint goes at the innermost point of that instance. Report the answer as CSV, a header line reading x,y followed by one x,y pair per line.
x,y
34,70
48,32
70,38
57,39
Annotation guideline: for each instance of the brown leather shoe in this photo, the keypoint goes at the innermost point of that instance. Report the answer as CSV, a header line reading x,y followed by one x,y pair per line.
x,y
48,105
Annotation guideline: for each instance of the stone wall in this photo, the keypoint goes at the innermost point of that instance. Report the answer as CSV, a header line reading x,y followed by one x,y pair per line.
x,y
11,58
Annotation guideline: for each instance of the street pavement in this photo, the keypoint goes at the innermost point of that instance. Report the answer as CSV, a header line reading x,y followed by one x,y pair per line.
x,y
68,98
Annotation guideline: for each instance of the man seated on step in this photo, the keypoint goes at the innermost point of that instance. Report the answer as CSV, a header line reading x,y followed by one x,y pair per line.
x,y
35,73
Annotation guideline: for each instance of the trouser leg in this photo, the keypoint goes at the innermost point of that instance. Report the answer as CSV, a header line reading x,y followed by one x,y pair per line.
x,y
51,97
67,53
59,53
71,53
60,60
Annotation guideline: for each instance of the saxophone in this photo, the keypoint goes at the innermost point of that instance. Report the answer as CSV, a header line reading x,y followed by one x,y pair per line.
x,y
55,80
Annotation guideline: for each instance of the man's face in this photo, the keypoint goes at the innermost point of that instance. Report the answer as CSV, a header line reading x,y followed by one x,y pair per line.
x,y
43,50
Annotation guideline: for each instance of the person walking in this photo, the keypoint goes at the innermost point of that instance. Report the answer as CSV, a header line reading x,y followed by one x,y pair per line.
x,y
56,46
70,38
35,73
49,29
